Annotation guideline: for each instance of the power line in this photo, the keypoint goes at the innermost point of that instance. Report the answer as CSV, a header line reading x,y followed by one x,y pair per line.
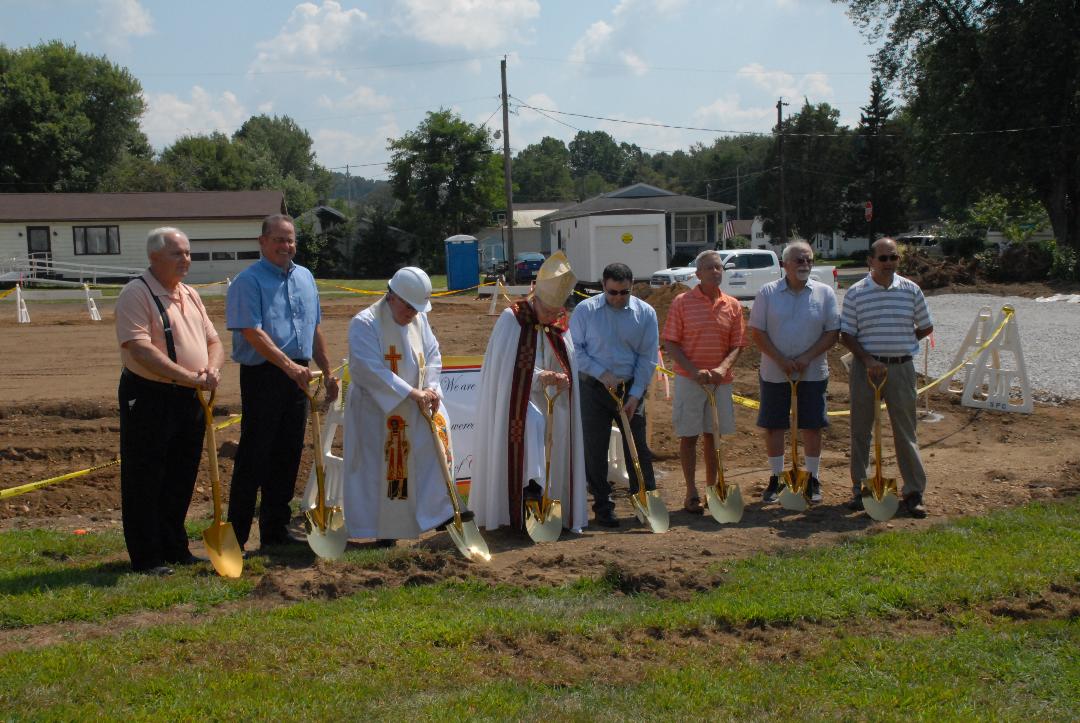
x,y
790,134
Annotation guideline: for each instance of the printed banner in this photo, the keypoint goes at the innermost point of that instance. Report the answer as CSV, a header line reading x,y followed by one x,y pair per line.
x,y
461,390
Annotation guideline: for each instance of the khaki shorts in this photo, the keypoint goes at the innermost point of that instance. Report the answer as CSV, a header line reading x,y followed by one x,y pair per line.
x,y
691,413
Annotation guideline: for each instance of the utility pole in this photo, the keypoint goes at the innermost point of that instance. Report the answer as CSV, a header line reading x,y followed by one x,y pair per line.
x,y
783,196
738,195
507,179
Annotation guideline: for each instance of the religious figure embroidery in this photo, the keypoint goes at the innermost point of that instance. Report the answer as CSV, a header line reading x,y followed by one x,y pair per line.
x,y
396,454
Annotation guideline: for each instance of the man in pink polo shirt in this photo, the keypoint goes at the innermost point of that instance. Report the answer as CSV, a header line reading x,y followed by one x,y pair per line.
x,y
704,334
169,349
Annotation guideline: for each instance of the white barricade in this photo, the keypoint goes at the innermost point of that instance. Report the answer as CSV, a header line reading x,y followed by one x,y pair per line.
x,y
21,311
997,377
91,305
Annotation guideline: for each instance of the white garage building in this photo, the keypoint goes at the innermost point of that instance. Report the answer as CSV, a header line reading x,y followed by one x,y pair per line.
x,y
104,234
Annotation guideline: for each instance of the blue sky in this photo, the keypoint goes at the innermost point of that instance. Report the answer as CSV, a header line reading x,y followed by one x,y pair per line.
x,y
356,72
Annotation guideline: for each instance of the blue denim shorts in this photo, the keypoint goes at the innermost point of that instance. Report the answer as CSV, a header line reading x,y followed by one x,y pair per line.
x,y
775,410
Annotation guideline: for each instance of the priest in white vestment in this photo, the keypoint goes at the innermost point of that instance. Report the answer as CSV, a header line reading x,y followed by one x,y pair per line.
x,y
530,349
394,488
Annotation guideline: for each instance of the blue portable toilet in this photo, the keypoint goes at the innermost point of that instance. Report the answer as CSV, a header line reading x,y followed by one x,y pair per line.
x,y
462,262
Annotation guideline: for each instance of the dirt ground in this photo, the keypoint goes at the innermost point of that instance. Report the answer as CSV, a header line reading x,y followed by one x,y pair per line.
x,y
58,414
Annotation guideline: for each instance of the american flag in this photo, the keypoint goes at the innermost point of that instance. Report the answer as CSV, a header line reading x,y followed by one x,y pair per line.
x,y
729,230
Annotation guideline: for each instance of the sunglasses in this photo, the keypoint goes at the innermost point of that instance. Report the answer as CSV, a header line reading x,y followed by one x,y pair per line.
x,y
800,262
888,257
617,292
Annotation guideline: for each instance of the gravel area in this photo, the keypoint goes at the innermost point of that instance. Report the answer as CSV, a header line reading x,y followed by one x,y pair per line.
x,y
1049,333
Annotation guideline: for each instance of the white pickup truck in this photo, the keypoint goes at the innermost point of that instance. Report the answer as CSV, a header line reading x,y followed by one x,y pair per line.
x,y
745,272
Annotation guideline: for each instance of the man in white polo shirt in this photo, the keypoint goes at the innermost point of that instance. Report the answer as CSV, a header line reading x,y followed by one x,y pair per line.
x,y
884,317
794,321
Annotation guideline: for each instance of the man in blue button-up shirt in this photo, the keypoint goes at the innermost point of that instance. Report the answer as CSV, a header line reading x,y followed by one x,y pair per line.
x,y
273,311
616,341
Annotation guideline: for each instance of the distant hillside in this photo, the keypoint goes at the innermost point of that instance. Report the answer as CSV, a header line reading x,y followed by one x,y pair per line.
x,y
361,187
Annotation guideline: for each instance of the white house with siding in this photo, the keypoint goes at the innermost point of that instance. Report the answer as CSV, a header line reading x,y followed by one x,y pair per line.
x,y
109,229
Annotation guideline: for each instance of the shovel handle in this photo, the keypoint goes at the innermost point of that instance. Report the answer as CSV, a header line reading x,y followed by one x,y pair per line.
x,y
211,451
877,422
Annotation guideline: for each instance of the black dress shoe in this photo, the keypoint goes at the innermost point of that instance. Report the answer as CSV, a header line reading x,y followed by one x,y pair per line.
x,y
190,559
280,540
607,520
159,571
533,492
466,516
384,542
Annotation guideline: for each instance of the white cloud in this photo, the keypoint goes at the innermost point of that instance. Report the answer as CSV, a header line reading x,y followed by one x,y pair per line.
x,y
779,82
335,147
363,98
168,116
636,65
728,113
123,19
593,41
652,7
310,38
472,24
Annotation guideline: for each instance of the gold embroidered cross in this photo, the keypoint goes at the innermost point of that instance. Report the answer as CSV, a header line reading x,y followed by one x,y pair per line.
x,y
393,357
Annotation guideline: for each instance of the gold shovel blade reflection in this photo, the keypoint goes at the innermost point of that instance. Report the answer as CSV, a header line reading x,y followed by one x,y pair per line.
x,y
327,535
793,493
466,537
728,509
223,549
544,525
650,510
880,499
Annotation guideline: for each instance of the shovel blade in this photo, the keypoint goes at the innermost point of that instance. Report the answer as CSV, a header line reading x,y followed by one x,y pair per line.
x,y
223,549
729,510
469,542
883,506
327,541
793,494
547,529
652,512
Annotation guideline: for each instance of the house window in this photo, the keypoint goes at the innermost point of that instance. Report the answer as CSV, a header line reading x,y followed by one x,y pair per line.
x,y
247,255
223,256
690,230
759,234
200,255
96,240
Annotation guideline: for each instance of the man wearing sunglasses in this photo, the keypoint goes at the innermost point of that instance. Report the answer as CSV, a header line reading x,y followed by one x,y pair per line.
x,y
883,319
616,339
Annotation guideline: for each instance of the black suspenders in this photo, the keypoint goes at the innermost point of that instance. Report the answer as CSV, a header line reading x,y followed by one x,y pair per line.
x,y
164,322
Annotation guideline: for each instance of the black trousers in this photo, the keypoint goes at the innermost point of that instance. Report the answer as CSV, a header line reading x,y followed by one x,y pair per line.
x,y
161,440
598,411
268,458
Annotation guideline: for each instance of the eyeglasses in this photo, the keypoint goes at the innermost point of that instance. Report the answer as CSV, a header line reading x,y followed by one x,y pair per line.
x,y
800,262
617,292
888,257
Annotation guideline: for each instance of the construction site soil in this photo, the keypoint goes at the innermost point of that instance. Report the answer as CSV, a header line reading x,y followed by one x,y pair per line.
x,y
59,415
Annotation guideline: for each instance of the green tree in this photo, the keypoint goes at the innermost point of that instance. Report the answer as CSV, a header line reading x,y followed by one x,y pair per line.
x,y
377,255
289,147
595,154
817,169
542,172
995,94
447,180
65,118
879,170
133,172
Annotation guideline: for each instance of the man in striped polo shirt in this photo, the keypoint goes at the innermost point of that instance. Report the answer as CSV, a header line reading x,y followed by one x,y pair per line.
x,y
704,333
883,319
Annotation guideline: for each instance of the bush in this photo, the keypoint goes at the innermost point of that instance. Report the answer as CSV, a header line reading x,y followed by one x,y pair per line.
x,y
1018,262
1065,263
859,255
962,247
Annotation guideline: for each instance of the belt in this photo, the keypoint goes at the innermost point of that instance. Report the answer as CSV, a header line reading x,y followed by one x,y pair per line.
x,y
893,359
158,386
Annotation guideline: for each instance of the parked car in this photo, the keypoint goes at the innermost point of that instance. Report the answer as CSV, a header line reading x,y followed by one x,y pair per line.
x,y
527,264
745,272
927,243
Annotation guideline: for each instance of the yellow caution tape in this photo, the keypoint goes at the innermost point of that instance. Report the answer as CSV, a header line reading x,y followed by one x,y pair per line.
x,y
22,489
4,294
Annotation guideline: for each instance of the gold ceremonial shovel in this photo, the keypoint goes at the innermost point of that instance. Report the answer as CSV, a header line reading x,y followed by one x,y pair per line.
x,y
326,532
795,481
464,533
543,519
648,506
220,539
725,500
879,493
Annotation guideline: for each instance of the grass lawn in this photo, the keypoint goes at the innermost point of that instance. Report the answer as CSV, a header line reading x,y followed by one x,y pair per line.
x,y
898,625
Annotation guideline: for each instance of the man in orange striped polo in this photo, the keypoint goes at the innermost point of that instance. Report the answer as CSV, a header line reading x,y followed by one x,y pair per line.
x,y
704,334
